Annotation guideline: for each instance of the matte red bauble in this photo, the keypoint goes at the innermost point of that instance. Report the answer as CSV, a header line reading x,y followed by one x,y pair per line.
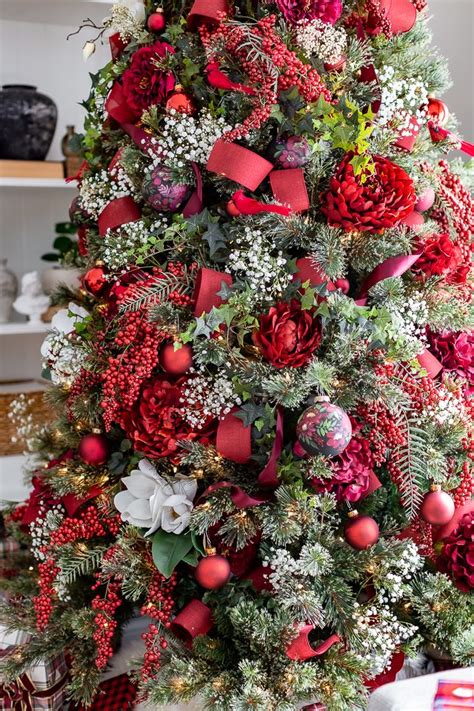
x,y
95,281
426,200
343,285
437,507
94,449
232,209
438,111
324,428
180,101
156,21
176,362
414,220
212,572
361,532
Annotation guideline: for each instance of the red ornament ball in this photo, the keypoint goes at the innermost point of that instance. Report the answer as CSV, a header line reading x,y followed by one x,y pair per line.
x,y
156,21
338,66
438,111
176,362
212,572
95,281
361,532
324,428
94,449
437,508
426,200
343,285
414,220
180,102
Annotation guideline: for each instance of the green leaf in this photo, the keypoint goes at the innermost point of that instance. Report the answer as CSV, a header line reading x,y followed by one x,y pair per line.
x,y
50,257
198,543
63,243
192,558
169,549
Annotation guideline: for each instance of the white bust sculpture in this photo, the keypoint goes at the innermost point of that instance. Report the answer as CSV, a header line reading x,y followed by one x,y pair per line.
x,y
32,301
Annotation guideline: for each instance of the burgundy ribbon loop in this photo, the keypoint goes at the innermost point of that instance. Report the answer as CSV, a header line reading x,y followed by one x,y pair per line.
x,y
289,188
268,475
233,438
238,164
195,202
193,620
118,212
208,283
391,267
206,11
117,107
249,206
240,498
117,45
430,363
408,140
308,270
300,649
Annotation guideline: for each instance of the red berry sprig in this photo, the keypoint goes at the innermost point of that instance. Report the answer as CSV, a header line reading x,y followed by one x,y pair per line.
x,y
159,605
43,603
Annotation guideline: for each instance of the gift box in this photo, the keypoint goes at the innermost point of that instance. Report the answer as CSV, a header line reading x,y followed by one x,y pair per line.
x,y
454,696
41,688
12,638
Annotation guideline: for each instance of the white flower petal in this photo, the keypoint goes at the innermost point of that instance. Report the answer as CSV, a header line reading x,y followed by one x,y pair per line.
x,y
122,500
140,509
139,485
188,487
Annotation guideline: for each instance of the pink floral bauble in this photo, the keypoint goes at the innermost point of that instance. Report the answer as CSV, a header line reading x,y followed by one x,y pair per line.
x,y
290,151
161,191
294,11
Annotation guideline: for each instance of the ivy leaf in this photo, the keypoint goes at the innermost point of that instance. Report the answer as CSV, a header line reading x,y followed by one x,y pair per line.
x,y
307,300
250,412
169,549
215,238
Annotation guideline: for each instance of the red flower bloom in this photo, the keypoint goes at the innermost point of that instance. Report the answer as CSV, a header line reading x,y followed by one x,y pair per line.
x,y
156,423
455,351
288,336
144,83
457,557
351,472
294,11
382,201
441,256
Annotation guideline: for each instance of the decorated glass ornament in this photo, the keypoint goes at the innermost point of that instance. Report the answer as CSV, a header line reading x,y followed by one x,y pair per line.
x,y
438,111
426,200
324,428
95,280
361,532
290,151
161,191
94,449
180,101
213,571
156,21
176,362
437,507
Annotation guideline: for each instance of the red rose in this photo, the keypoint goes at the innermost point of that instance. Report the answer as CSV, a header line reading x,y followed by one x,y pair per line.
x,y
455,351
288,336
441,256
379,201
144,83
294,11
352,471
156,423
457,557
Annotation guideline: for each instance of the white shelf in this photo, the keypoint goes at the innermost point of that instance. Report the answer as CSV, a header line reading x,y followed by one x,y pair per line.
x,y
57,12
36,183
12,486
14,329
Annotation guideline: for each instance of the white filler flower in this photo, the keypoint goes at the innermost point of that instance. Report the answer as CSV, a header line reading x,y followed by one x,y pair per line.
x,y
152,502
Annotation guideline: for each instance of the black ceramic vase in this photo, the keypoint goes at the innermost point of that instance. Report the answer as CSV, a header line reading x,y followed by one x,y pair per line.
x,y
27,122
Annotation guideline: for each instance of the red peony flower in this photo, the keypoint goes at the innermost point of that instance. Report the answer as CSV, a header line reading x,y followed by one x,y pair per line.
x,y
441,256
455,350
288,336
352,472
294,11
382,201
156,424
145,83
457,557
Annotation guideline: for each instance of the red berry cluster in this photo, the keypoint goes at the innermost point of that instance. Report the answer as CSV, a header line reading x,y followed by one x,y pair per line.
x,y
384,433
159,605
460,208
465,490
235,40
419,4
374,19
83,385
105,621
43,603
88,525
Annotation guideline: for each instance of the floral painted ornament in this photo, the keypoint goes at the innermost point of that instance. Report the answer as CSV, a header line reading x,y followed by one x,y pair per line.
x,y
162,191
153,502
324,428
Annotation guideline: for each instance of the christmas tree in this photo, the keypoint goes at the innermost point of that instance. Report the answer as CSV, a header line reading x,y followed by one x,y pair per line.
x,y
262,392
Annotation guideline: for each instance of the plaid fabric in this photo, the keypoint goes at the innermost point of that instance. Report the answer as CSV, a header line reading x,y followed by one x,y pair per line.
x,y
42,688
7,547
12,639
116,694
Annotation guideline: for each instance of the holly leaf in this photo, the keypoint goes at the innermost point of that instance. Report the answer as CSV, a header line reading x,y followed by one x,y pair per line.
x,y
169,549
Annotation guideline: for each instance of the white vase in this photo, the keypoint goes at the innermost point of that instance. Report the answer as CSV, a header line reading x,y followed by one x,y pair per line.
x,y
52,277
8,291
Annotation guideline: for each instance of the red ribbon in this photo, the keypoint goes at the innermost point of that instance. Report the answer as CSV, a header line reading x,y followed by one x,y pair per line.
x,y
193,620
238,164
20,695
194,204
206,11
438,133
259,578
208,283
240,498
233,438
430,363
289,188
249,206
308,270
219,80
300,649
374,484
368,73
139,136
407,142
118,212
117,107
268,475
391,267
117,45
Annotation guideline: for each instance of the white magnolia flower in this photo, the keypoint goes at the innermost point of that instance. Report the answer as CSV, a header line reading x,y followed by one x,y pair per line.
x,y
59,352
65,320
152,502
88,50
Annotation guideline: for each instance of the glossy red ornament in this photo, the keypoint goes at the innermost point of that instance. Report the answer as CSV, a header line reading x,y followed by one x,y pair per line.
x,y
338,66
176,362
343,285
232,209
361,532
212,572
156,21
95,281
180,101
438,111
94,449
426,200
437,507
